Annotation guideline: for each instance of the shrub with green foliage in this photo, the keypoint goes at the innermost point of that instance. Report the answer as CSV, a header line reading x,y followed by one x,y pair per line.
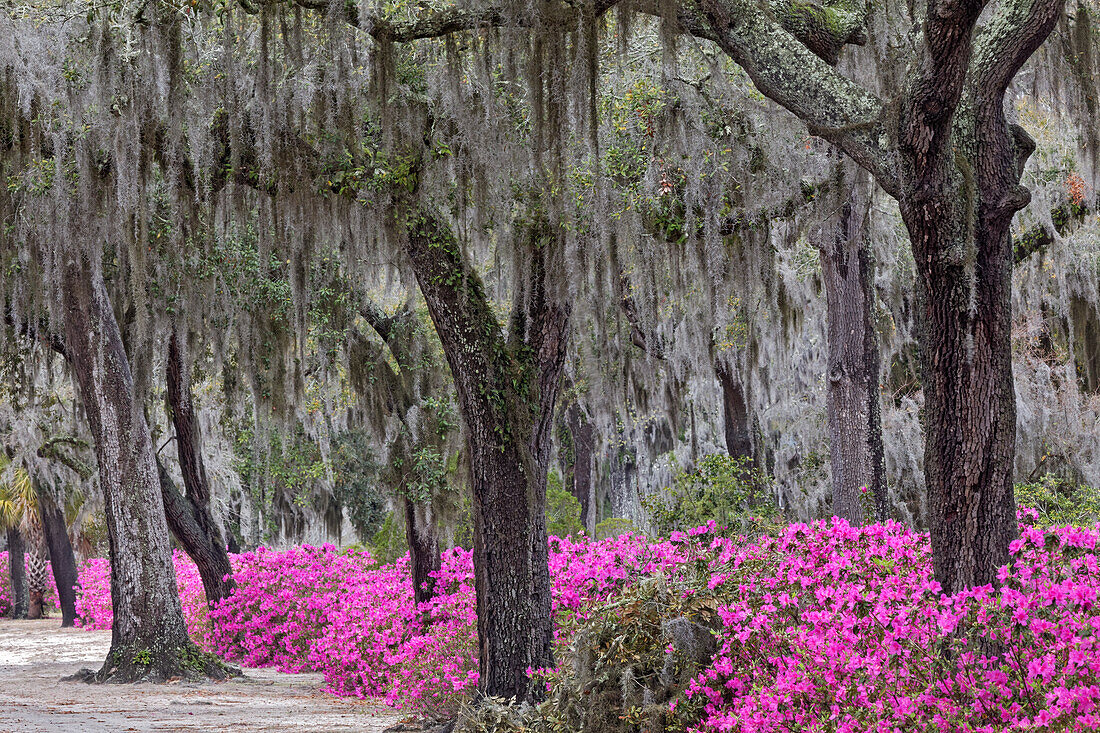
x,y
613,527
563,511
1060,502
731,492
355,484
389,543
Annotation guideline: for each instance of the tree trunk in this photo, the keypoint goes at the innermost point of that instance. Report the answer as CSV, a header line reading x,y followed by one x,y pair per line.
x,y
856,456
506,393
970,410
149,639
38,569
735,412
62,559
189,518
18,569
944,149
213,566
963,250
582,485
424,557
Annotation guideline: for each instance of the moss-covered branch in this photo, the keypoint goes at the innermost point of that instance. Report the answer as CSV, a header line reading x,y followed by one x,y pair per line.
x,y
1039,237
52,450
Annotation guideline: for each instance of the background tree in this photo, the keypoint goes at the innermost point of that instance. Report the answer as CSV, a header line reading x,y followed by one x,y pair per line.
x,y
17,501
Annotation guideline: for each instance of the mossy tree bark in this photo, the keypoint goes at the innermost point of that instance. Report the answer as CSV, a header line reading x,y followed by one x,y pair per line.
x,y
189,517
507,386
149,638
961,164
856,460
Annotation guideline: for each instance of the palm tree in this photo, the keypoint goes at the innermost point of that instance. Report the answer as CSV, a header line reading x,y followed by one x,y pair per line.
x,y
19,516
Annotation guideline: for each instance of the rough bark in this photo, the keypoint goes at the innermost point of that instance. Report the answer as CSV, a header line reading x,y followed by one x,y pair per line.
x,y
17,570
189,517
506,393
857,463
954,164
961,164
62,559
149,638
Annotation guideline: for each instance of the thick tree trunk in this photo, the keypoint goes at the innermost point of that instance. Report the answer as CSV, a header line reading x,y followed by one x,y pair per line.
x,y
149,638
424,556
189,518
583,487
943,148
970,406
18,573
856,456
963,251
506,394
62,559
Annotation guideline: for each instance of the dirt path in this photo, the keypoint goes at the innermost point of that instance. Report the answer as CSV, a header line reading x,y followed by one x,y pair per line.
x,y
35,655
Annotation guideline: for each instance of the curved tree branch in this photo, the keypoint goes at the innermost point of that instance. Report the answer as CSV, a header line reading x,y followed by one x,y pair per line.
x,y
786,71
1016,31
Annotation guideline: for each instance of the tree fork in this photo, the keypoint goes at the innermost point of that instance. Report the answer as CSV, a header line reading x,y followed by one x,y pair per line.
x,y
149,639
507,391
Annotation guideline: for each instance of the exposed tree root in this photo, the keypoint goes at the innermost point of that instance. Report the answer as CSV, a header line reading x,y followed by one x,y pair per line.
x,y
151,664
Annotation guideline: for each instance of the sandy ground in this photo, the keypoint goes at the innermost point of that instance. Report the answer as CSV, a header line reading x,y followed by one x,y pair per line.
x,y
35,655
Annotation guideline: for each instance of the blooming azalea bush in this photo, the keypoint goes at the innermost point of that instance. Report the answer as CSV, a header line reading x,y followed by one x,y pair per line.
x,y
826,627
93,595
820,627
50,600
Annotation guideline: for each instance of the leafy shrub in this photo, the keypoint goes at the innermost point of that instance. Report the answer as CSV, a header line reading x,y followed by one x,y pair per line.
x,y
355,470
613,527
1060,502
728,491
389,542
563,513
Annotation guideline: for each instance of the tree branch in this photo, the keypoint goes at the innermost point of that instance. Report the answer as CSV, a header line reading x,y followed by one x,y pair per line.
x,y
786,71
648,342
934,95
39,332
51,450
1016,31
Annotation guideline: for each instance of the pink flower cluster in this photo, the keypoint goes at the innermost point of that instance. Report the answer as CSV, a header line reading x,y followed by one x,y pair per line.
x,y
93,594
842,629
823,627
50,600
